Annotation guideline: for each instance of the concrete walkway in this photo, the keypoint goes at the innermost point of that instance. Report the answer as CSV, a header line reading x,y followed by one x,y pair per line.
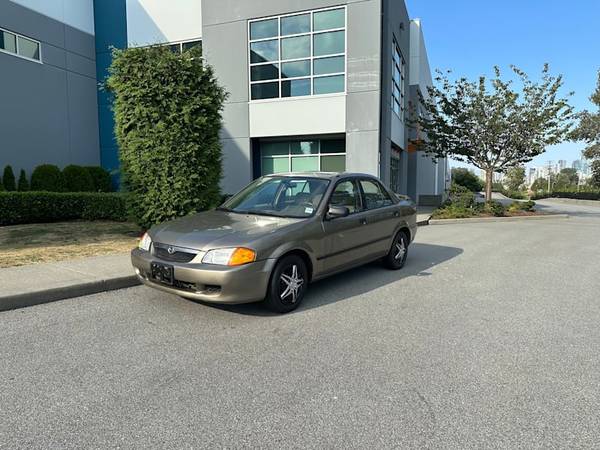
x,y
48,282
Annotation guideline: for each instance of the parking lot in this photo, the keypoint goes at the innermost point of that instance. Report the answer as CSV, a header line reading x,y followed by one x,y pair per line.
x,y
488,338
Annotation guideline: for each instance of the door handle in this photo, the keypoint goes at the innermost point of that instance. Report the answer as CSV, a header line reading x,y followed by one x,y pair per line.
x,y
396,214
363,221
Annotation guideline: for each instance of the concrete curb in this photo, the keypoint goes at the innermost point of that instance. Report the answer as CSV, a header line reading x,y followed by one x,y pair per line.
x,y
76,290
423,223
496,219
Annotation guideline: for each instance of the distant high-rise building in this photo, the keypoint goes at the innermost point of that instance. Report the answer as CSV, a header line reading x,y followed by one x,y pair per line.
x,y
562,164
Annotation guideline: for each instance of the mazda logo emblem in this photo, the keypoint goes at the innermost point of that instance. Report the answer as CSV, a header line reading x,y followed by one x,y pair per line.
x,y
171,250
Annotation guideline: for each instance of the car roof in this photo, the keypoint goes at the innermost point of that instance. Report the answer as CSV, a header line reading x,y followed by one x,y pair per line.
x,y
323,175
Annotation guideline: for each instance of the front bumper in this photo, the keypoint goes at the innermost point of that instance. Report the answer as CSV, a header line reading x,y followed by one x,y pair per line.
x,y
209,283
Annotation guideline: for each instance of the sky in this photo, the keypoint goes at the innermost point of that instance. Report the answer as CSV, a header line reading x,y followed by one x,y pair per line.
x,y
469,37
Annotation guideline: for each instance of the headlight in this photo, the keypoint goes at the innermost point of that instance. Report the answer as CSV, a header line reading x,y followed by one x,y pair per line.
x,y
229,256
145,242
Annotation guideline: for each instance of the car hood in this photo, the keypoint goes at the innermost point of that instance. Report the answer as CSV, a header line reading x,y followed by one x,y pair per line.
x,y
217,229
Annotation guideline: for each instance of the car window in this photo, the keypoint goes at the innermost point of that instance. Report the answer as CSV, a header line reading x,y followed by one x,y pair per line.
x,y
346,194
297,197
375,196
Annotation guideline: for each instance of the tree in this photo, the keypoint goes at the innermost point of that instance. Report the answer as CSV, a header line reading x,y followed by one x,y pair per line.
x,y
168,118
588,129
595,179
491,125
541,184
78,179
23,182
47,177
567,178
515,178
8,179
465,178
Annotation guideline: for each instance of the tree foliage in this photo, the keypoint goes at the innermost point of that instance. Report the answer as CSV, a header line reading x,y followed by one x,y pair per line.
x,y
168,117
515,178
493,125
47,177
595,178
23,182
8,179
78,179
541,184
463,177
567,178
588,129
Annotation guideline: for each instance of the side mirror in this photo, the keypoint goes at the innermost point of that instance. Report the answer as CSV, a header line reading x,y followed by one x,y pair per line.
x,y
336,212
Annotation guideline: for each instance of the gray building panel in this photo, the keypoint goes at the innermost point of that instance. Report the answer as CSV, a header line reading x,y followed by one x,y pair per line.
x,y
48,110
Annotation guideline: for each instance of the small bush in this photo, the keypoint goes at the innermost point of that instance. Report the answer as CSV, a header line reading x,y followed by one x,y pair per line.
x,y
77,179
23,182
522,206
47,177
516,195
8,179
494,208
461,196
453,211
43,207
100,178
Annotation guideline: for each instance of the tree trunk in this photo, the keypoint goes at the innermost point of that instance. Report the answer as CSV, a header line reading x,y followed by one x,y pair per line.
x,y
489,179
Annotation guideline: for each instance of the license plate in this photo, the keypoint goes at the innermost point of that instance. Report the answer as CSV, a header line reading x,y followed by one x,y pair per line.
x,y
162,273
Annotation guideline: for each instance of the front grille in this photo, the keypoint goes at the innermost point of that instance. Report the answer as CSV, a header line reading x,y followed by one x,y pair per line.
x,y
176,255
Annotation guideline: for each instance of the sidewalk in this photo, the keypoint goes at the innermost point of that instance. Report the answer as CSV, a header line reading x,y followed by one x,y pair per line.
x,y
48,282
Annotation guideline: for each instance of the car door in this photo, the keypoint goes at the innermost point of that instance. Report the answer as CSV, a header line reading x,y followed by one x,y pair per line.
x,y
382,215
347,240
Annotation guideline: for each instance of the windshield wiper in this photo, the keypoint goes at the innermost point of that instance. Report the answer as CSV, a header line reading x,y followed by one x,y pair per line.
x,y
222,208
257,213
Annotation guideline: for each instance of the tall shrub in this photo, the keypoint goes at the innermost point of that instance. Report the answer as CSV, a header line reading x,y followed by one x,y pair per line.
x,y
47,177
168,116
100,178
23,182
8,179
78,179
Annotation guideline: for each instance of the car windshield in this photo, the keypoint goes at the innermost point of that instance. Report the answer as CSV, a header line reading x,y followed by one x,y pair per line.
x,y
297,197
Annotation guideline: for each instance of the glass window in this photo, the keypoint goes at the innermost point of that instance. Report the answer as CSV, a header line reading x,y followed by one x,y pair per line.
x,y
295,69
333,146
275,148
264,29
328,20
264,72
8,41
295,88
295,24
265,90
264,51
295,47
192,44
329,43
333,163
395,174
291,44
275,165
324,66
329,85
305,148
29,48
374,195
305,164
398,79
346,194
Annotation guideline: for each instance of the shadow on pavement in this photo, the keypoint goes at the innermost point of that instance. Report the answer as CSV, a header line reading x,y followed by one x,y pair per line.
x,y
361,280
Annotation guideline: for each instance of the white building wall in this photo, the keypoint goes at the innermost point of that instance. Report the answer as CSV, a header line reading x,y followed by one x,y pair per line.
x,y
159,21
75,13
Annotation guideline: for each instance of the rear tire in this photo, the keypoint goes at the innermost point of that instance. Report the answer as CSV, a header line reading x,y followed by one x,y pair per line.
x,y
396,258
288,284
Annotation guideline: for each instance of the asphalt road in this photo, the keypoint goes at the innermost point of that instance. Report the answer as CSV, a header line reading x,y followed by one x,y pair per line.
x,y
489,338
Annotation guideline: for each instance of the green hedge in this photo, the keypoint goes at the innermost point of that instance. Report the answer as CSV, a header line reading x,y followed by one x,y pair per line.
x,y
41,207
583,195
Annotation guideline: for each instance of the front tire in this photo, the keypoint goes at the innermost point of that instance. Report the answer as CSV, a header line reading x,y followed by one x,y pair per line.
x,y
396,258
288,284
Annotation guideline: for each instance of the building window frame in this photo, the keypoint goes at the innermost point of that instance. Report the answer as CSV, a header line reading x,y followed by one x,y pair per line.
x,y
280,61
398,96
17,45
